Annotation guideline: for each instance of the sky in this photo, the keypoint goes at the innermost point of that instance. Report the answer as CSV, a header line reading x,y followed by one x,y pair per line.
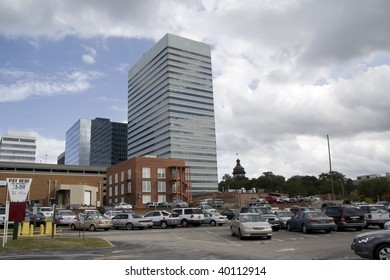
x,y
286,74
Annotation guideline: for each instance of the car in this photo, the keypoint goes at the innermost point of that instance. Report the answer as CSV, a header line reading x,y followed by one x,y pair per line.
x,y
296,208
284,216
64,217
189,216
230,213
131,221
307,221
346,216
271,199
123,205
250,225
214,219
163,219
266,212
2,218
92,222
39,219
163,204
373,245
47,211
375,215
179,203
112,213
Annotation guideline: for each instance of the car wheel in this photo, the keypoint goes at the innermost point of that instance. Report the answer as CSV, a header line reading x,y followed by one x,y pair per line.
x,y
304,229
240,235
73,226
220,225
164,224
233,234
106,229
269,237
213,223
327,230
129,226
289,227
92,228
359,228
184,223
382,252
382,226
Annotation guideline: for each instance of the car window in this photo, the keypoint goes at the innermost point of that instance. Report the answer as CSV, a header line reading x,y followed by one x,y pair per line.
x,y
352,211
165,214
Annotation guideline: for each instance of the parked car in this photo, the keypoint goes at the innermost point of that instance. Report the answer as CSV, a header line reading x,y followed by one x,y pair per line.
x,y
39,219
296,208
372,245
375,215
230,213
346,216
131,221
163,219
47,211
163,204
250,225
92,222
2,218
189,216
271,199
284,216
179,203
212,218
307,221
123,205
266,213
112,213
64,217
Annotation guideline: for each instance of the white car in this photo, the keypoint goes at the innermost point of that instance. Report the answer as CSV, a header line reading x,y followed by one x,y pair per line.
x,y
214,219
112,213
123,205
250,225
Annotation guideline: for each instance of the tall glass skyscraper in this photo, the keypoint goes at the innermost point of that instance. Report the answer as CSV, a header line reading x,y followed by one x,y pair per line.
x,y
78,143
171,108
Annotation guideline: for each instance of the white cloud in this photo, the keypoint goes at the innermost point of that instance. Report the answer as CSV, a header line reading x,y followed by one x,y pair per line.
x,y
286,73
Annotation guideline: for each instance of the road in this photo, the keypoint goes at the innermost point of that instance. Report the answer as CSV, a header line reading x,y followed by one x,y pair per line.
x,y
204,243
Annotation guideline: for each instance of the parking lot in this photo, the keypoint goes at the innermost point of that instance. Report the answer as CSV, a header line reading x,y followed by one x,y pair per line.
x,y
206,243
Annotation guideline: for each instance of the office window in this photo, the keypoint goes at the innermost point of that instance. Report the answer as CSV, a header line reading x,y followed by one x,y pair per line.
x,y
146,198
161,186
129,187
110,180
122,188
146,172
146,186
116,189
110,191
122,176
162,198
129,174
116,178
161,173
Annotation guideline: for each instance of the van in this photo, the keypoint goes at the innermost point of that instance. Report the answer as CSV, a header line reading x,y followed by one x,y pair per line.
x,y
346,216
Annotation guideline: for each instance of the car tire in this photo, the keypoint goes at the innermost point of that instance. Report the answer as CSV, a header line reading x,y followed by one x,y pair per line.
x,y
269,237
327,230
129,226
240,235
220,225
106,229
382,252
92,228
213,223
184,223
304,229
359,228
163,225
382,226
289,227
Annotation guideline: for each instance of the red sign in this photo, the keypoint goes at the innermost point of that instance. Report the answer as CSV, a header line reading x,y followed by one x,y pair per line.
x,y
17,211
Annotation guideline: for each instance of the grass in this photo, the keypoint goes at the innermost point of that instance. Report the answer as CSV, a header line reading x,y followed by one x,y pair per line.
x,y
47,243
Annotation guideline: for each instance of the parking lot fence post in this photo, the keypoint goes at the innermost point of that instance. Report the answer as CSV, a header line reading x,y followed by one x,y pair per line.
x,y
41,229
25,228
31,229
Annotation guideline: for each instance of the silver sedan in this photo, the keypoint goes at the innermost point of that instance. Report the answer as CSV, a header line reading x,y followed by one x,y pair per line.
x,y
250,225
131,221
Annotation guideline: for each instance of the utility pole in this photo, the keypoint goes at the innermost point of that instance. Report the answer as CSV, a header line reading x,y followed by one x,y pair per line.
x,y
330,169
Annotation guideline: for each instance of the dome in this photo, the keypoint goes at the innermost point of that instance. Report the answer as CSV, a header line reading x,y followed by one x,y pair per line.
x,y
238,170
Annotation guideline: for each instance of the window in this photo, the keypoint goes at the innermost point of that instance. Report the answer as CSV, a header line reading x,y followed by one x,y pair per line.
x,y
146,198
162,198
110,191
122,176
122,188
129,174
110,180
116,189
129,187
146,172
161,187
161,173
116,178
146,186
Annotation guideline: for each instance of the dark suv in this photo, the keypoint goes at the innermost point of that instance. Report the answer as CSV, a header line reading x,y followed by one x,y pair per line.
x,y
346,216
266,213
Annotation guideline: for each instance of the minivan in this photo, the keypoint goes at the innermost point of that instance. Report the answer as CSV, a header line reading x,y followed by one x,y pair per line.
x,y
346,216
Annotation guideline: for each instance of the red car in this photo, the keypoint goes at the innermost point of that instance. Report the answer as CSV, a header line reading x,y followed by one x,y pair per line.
x,y
270,199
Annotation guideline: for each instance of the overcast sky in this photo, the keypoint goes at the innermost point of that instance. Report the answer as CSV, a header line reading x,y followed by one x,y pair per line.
x,y
285,73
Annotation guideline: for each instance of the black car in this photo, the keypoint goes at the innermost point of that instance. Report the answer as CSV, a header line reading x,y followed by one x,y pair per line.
x,y
229,213
346,216
266,213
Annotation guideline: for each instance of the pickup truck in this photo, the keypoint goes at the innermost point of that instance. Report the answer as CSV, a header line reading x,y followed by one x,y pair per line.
x,y
375,215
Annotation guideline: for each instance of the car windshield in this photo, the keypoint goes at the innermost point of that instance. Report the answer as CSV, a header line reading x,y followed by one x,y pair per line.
x,y
286,214
352,211
315,215
251,218
66,213
264,210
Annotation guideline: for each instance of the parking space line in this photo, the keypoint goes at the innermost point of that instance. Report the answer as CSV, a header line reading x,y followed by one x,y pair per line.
x,y
220,237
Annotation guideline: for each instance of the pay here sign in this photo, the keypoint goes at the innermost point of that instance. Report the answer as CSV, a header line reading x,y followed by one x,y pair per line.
x,y
18,188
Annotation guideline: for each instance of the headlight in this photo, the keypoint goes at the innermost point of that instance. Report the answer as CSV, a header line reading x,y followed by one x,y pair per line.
x,y
365,239
246,227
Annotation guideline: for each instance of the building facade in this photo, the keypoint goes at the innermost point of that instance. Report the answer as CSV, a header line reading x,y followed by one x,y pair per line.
x,y
78,143
148,179
108,142
63,185
171,108
18,147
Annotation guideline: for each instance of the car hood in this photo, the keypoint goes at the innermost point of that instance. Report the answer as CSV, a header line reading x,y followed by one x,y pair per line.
x,y
384,232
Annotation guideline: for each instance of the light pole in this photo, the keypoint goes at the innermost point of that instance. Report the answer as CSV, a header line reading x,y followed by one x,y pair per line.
x,y
330,169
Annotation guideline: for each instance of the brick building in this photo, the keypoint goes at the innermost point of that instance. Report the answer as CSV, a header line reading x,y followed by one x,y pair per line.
x,y
148,179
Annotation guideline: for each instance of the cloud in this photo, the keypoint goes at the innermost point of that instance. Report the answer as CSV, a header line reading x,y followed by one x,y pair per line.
x,y
286,73
27,84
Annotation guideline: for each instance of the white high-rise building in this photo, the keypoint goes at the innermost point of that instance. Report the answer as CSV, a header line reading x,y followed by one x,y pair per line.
x,y
171,108
18,147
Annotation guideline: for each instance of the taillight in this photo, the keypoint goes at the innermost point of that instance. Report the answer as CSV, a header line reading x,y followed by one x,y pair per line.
x,y
313,221
342,218
100,222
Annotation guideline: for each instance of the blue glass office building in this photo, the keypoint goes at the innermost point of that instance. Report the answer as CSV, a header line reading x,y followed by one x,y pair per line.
x,y
78,143
171,108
